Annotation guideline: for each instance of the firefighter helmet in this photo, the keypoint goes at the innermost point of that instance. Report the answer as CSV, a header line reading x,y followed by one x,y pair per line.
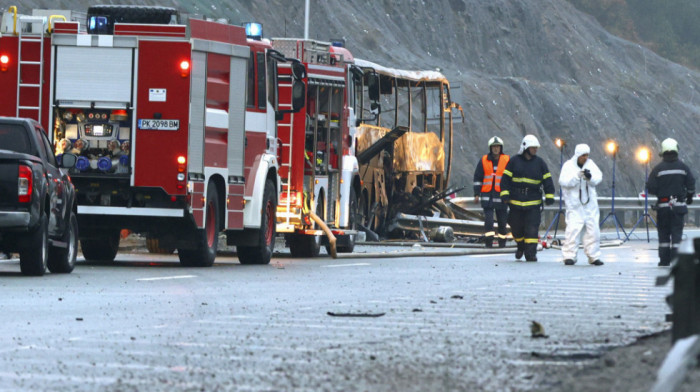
x,y
496,141
669,145
528,141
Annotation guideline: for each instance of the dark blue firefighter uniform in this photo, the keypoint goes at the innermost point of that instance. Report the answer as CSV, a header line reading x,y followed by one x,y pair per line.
x,y
522,185
674,186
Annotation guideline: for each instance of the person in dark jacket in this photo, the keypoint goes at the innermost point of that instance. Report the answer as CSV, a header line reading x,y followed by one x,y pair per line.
x,y
674,186
487,188
521,188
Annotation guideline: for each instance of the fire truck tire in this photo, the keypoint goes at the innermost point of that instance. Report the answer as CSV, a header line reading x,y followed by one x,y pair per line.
x,y
33,258
102,249
262,252
301,245
153,246
349,245
62,260
207,238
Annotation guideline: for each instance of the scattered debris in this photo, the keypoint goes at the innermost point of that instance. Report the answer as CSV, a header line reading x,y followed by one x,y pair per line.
x,y
417,310
457,296
78,319
537,330
356,314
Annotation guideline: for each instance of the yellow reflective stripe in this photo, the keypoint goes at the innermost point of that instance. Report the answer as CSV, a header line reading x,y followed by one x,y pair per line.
x,y
531,240
527,180
502,235
508,173
526,203
519,239
489,233
546,176
505,193
549,196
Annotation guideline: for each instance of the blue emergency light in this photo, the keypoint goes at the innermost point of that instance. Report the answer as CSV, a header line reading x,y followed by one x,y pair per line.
x,y
253,30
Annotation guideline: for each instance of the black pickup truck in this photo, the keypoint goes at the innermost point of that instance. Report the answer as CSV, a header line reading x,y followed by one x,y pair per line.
x,y
37,200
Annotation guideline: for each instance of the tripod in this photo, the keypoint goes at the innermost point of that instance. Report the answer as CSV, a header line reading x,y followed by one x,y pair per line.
x,y
646,215
555,220
616,220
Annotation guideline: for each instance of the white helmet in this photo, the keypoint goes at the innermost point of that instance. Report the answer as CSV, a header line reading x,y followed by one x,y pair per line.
x,y
669,145
528,141
496,141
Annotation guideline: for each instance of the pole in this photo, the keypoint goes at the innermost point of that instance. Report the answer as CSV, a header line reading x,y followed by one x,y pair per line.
x,y
645,215
555,220
616,221
306,20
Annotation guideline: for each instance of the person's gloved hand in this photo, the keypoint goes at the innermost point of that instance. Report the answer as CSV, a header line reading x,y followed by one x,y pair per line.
x,y
581,175
689,199
549,201
587,174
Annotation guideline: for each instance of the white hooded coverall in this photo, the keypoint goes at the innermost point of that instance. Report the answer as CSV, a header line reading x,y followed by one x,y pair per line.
x,y
582,210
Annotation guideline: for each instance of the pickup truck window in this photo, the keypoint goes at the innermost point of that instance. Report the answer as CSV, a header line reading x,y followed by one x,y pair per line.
x,y
47,149
14,138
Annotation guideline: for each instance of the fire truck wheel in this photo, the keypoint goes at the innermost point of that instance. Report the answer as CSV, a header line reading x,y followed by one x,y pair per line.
x,y
33,258
262,252
301,245
207,238
153,246
349,245
103,248
62,260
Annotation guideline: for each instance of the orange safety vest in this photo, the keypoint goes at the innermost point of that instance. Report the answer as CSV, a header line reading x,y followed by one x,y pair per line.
x,y
489,175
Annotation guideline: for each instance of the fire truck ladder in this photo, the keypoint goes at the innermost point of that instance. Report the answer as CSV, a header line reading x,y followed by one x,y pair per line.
x,y
24,38
288,164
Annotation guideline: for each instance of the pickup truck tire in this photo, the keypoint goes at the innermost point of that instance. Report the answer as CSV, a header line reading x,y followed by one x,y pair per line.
x,y
62,260
207,238
102,249
33,258
262,252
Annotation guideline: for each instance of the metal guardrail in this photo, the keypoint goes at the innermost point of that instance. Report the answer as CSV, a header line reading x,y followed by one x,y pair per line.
x,y
627,209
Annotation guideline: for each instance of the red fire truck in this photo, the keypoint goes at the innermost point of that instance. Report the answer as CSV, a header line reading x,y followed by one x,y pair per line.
x,y
318,169
173,121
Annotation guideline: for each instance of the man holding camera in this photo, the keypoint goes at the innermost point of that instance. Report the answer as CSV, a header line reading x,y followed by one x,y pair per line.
x,y
674,186
521,188
578,179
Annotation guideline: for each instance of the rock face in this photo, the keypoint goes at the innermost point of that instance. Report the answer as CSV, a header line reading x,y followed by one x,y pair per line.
x,y
516,66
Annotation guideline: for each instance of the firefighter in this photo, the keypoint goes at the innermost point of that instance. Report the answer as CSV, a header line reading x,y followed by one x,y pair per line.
x,y
521,188
578,179
487,188
674,186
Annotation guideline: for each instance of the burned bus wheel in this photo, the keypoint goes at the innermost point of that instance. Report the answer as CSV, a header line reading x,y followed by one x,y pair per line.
x,y
348,241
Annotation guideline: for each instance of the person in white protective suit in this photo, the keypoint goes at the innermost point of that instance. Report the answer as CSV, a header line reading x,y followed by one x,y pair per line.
x,y
578,179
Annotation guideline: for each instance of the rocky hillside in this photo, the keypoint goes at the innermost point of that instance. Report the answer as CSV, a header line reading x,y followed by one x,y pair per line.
x,y
516,66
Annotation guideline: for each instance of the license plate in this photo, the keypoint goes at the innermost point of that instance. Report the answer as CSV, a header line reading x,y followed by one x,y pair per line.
x,y
159,125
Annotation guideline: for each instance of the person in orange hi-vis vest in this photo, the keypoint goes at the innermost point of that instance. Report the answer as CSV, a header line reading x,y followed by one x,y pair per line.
x,y
487,189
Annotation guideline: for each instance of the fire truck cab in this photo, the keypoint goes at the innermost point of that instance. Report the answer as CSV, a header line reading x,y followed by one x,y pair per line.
x,y
319,171
172,120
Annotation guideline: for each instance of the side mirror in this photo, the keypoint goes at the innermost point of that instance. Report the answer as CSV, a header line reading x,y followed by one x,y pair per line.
x,y
67,160
375,109
298,70
373,87
298,95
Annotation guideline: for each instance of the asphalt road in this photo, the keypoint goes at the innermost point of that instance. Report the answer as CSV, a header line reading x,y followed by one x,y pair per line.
x,y
457,323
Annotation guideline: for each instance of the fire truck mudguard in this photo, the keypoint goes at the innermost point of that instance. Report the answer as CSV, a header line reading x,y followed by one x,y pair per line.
x,y
264,238
207,239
